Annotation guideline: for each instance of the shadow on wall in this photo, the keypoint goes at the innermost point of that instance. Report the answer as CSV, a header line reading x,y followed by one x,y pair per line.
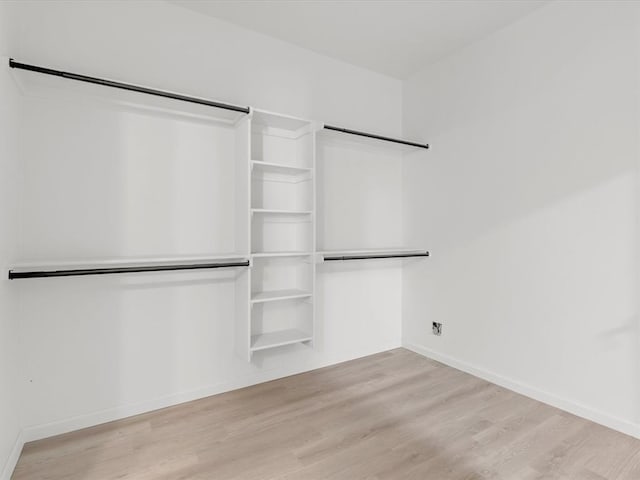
x,y
106,182
359,195
530,202
541,120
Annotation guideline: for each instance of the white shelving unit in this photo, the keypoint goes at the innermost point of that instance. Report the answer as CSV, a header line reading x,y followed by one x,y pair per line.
x,y
276,295
281,187
280,338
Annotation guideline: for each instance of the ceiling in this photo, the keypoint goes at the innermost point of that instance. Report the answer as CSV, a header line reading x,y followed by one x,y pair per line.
x,y
396,38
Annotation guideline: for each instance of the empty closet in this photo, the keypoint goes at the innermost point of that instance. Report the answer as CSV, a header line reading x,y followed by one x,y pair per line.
x,y
270,217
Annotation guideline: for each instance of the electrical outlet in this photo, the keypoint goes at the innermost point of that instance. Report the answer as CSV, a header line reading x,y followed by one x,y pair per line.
x,y
437,328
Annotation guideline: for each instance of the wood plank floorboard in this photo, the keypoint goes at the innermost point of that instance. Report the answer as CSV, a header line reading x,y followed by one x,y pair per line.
x,y
393,415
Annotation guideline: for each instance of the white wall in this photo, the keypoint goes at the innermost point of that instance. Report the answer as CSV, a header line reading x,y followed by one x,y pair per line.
x,y
359,207
95,349
9,194
528,201
157,44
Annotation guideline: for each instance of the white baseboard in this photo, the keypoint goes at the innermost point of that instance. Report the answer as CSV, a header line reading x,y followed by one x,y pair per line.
x,y
38,432
574,408
12,461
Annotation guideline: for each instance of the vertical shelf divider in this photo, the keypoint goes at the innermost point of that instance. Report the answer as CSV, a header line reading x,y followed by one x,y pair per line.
x,y
243,235
314,129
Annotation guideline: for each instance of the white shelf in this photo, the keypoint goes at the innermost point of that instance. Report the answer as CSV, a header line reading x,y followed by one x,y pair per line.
x,y
279,168
124,262
378,251
281,212
282,232
280,254
279,121
275,295
265,341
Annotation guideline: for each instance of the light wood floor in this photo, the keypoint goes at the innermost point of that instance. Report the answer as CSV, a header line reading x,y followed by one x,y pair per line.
x,y
394,415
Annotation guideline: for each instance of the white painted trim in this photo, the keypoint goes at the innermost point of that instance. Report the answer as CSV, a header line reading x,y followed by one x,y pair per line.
x,y
12,461
38,432
565,404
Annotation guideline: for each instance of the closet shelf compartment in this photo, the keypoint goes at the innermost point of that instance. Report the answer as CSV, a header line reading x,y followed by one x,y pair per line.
x,y
280,338
275,211
281,123
280,254
280,168
276,295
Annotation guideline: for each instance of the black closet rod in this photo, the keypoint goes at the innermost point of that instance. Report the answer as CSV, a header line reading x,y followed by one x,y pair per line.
x,y
109,270
365,257
377,137
184,98
126,86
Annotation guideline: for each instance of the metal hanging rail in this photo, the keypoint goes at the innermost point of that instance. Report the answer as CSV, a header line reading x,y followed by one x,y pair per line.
x,y
186,98
377,137
201,101
126,86
328,258
133,269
